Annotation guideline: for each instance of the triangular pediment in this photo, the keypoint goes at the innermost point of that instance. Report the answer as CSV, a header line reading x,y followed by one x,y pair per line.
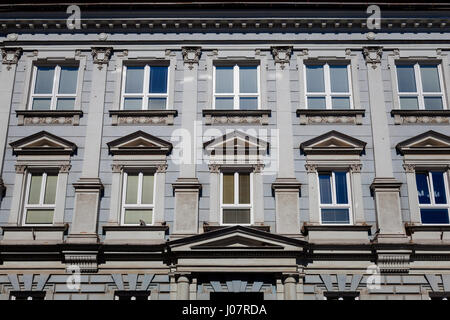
x,y
236,238
333,142
139,142
236,142
427,143
42,143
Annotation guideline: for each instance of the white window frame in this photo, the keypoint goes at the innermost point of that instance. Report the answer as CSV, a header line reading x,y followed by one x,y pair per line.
x,y
55,87
333,203
41,204
144,95
432,204
236,95
139,204
419,94
327,79
236,204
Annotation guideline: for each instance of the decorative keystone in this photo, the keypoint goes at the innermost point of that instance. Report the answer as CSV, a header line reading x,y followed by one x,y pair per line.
x,y
11,56
372,55
101,56
281,55
191,55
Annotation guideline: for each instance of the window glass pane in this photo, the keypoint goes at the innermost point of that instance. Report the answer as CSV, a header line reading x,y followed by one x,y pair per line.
x,y
68,80
134,80
314,79
132,188
406,79
430,78
341,187
224,103
248,80
228,188
244,188
340,103
35,189
132,104
325,188
337,216
422,188
147,188
36,216
409,103
158,79
433,103
132,216
41,104
439,187
236,216
339,78
316,103
248,103
50,189
44,80
434,215
65,104
156,103
224,79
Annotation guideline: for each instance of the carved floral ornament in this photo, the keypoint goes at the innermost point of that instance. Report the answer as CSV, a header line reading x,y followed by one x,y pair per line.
x,y
191,55
281,55
372,55
101,56
11,56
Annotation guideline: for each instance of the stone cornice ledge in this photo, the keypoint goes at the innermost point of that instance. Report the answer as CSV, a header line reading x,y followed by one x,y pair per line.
x,y
135,228
45,117
213,116
88,183
309,227
385,183
187,183
343,116
58,228
421,116
134,117
286,183
410,228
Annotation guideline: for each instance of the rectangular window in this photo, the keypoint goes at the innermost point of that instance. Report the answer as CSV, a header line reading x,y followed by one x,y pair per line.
x,y
236,200
54,88
138,198
236,87
145,87
433,192
40,198
420,86
335,197
328,86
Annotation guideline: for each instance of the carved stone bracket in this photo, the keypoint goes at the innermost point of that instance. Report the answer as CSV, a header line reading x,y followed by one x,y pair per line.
x,y
356,167
311,168
282,55
191,55
11,56
393,262
162,168
409,168
372,55
101,56
421,116
65,168
86,262
20,168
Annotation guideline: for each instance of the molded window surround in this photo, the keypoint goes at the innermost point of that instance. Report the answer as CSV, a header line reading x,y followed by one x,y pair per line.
x,y
236,201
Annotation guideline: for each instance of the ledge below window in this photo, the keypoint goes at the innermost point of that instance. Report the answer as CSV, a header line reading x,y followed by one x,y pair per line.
x,y
45,117
331,233
136,117
135,234
314,116
421,116
424,233
220,117
208,227
33,234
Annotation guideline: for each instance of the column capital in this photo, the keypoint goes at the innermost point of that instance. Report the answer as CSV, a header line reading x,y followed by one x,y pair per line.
x,y
64,168
214,168
11,56
101,55
281,54
373,55
258,168
116,168
311,168
161,168
356,167
191,55
20,168
409,168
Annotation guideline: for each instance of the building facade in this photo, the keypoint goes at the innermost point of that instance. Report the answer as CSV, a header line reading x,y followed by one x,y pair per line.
x,y
297,151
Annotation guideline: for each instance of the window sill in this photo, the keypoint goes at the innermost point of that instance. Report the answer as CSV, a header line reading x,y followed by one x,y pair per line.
x,y
348,116
136,117
152,234
331,233
46,117
33,234
421,116
222,117
428,233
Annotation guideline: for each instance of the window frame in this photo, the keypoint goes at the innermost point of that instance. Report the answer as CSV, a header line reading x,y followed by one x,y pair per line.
x,y
327,93
144,95
419,94
236,205
236,95
432,204
54,95
333,197
41,205
139,205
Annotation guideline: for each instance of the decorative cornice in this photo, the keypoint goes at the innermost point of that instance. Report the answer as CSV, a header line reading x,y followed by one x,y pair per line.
x,y
85,261
372,55
282,54
46,117
306,228
311,116
421,116
393,262
236,116
11,56
138,117
101,55
409,168
191,55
